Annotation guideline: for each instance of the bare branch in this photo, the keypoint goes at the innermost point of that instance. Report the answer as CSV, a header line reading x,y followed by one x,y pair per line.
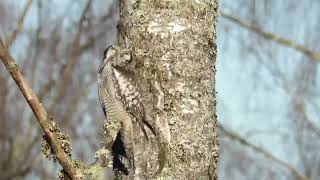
x,y
299,108
270,36
72,58
17,30
38,110
298,105
236,137
37,43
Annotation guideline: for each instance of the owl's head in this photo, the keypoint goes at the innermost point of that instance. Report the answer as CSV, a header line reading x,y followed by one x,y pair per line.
x,y
117,56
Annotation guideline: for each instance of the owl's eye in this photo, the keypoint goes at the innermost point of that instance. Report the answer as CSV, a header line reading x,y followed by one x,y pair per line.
x,y
126,57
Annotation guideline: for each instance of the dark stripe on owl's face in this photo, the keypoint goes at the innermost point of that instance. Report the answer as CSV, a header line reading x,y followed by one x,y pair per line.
x,y
108,52
107,55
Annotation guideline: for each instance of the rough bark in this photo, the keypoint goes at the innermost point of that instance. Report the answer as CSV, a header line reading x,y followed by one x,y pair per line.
x,y
174,44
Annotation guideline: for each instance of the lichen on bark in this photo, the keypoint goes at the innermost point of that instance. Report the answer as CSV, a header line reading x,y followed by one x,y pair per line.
x,y
174,44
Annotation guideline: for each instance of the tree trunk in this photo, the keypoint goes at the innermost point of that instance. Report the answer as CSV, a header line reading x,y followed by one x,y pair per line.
x,y
174,44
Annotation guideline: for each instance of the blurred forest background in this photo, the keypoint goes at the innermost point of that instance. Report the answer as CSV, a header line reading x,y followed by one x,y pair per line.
x,y
267,81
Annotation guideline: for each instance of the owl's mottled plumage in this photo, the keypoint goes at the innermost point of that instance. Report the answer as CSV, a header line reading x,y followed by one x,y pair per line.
x,y
119,87
119,91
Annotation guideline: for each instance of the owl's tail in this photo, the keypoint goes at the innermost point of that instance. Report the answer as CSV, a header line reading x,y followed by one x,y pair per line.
x,y
144,122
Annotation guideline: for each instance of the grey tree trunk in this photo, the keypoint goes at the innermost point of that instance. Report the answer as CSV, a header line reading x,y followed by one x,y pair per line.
x,y
174,44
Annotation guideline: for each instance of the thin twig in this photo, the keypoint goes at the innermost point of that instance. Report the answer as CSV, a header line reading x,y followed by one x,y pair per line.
x,y
39,111
37,43
71,59
241,140
17,30
299,108
270,36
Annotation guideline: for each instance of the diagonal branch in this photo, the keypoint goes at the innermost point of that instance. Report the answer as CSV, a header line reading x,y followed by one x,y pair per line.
x,y
236,137
270,36
39,111
17,30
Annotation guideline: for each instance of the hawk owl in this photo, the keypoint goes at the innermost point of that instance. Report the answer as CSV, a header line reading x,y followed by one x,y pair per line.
x,y
121,101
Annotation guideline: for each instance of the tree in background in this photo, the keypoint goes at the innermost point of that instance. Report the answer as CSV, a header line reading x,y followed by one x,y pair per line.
x,y
274,110
176,63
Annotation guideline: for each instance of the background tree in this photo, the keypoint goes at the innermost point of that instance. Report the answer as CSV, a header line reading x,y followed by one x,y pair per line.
x,y
169,81
53,57
267,81
274,107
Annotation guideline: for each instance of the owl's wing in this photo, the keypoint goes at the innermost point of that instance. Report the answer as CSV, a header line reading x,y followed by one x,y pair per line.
x,y
102,95
129,92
